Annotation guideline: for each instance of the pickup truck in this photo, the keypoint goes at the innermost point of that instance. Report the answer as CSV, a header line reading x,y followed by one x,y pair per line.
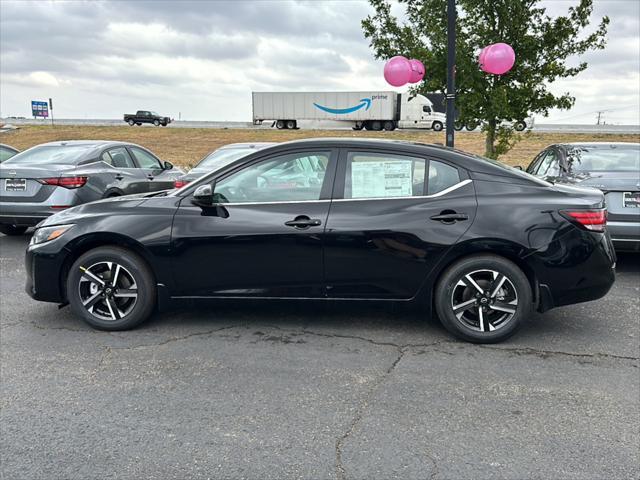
x,y
145,116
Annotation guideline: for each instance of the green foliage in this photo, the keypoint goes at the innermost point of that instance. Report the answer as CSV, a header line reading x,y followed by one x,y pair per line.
x,y
542,45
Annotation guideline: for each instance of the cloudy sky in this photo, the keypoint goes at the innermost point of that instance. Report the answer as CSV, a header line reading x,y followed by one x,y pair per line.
x,y
202,59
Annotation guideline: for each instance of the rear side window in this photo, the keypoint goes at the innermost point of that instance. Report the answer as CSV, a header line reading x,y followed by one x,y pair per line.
x,y
118,158
145,159
441,177
5,154
383,175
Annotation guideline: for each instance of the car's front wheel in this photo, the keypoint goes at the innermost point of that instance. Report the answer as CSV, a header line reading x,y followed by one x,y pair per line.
x,y
111,288
12,230
483,298
156,123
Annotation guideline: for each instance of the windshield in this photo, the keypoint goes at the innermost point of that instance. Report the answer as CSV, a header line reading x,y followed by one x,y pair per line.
x,y
585,158
222,158
155,114
51,154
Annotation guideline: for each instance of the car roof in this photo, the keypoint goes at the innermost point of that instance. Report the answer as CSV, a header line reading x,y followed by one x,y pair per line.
x,y
599,144
247,145
87,143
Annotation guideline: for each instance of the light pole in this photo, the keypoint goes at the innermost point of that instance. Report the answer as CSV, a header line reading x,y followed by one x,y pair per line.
x,y
451,69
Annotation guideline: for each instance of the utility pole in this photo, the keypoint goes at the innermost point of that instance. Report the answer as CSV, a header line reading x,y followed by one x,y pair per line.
x,y
451,70
599,116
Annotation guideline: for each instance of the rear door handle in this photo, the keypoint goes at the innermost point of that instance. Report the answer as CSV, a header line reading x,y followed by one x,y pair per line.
x,y
303,222
450,217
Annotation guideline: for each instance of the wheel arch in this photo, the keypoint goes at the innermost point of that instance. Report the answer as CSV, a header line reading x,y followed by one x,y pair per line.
x,y
85,243
502,248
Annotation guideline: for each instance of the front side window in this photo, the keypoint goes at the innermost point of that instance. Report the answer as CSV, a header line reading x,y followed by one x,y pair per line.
x,y
145,159
549,165
286,178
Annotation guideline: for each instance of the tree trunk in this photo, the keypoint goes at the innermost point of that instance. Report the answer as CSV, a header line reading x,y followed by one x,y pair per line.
x,y
490,140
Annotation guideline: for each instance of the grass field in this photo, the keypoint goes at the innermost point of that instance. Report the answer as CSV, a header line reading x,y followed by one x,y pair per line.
x,y
185,146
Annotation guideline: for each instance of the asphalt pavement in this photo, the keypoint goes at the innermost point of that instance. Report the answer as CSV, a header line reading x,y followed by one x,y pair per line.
x,y
261,390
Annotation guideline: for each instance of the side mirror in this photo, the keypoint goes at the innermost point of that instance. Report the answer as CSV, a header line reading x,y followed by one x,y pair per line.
x,y
203,196
168,165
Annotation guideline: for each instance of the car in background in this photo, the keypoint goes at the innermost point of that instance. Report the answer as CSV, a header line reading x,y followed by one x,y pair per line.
x,y
517,125
480,243
146,116
6,152
613,168
219,158
51,177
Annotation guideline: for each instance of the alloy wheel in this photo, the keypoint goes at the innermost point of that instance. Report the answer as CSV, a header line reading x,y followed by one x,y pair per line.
x,y
107,290
484,300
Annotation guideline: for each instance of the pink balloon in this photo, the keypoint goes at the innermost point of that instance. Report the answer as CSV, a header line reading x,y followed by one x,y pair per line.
x,y
498,58
417,71
397,71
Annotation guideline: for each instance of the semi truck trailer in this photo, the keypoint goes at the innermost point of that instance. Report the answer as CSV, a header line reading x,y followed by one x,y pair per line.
x,y
373,110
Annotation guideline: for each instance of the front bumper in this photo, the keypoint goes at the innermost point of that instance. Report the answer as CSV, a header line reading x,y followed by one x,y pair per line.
x,y
44,267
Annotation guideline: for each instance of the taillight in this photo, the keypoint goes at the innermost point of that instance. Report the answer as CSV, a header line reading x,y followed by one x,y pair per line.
x,y
594,220
180,183
65,182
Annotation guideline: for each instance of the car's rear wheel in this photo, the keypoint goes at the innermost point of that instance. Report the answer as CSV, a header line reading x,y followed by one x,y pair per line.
x,y
111,288
12,230
483,298
131,122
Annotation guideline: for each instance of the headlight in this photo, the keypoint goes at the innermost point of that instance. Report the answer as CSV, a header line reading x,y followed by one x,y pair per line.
x,y
46,234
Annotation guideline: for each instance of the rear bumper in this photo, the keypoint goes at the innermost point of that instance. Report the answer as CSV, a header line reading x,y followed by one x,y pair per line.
x,y
625,235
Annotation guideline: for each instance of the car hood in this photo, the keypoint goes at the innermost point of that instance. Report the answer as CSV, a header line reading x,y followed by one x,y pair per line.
x,y
607,181
108,206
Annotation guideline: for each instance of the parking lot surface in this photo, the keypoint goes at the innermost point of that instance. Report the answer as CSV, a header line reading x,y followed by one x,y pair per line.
x,y
307,390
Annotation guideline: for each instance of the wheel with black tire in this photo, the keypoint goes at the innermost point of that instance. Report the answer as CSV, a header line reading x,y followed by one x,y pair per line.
x,y
139,124
12,230
457,126
131,122
471,126
291,124
437,126
389,125
376,125
111,288
520,126
156,123
367,126
483,298
280,124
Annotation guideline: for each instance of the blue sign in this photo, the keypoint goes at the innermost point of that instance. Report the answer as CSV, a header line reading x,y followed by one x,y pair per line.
x,y
39,109
364,102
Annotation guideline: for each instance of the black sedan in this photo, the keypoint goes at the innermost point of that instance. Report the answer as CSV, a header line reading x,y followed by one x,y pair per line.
x,y
335,219
613,168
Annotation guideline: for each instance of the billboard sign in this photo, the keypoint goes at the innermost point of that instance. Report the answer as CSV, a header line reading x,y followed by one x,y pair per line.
x,y
39,109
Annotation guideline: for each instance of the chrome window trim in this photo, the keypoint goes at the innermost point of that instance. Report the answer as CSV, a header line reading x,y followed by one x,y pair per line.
x,y
435,195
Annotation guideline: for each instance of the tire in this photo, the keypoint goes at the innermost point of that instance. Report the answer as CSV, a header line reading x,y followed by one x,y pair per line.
x,y
495,324
291,124
131,310
471,126
12,230
367,126
457,126
156,123
437,126
139,124
520,126
389,126
280,124
376,125
131,123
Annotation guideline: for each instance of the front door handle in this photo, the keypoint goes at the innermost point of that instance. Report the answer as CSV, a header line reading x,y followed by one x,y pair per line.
x,y
450,217
119,176
150,177
302,222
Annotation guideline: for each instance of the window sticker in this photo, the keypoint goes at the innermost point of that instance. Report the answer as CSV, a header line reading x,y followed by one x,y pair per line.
x,y
389,178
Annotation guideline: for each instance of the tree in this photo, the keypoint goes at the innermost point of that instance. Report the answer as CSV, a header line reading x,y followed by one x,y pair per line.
x,y
542,45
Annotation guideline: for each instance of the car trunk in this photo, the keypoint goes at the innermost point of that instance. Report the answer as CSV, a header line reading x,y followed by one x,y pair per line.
x,y
622,193
19,183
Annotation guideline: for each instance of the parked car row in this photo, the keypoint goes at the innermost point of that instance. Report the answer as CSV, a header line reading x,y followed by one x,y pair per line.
x,y
477,242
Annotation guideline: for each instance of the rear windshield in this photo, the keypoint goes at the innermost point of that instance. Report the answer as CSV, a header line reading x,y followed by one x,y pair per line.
x,y
585,158
507,168
222,158
51,154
